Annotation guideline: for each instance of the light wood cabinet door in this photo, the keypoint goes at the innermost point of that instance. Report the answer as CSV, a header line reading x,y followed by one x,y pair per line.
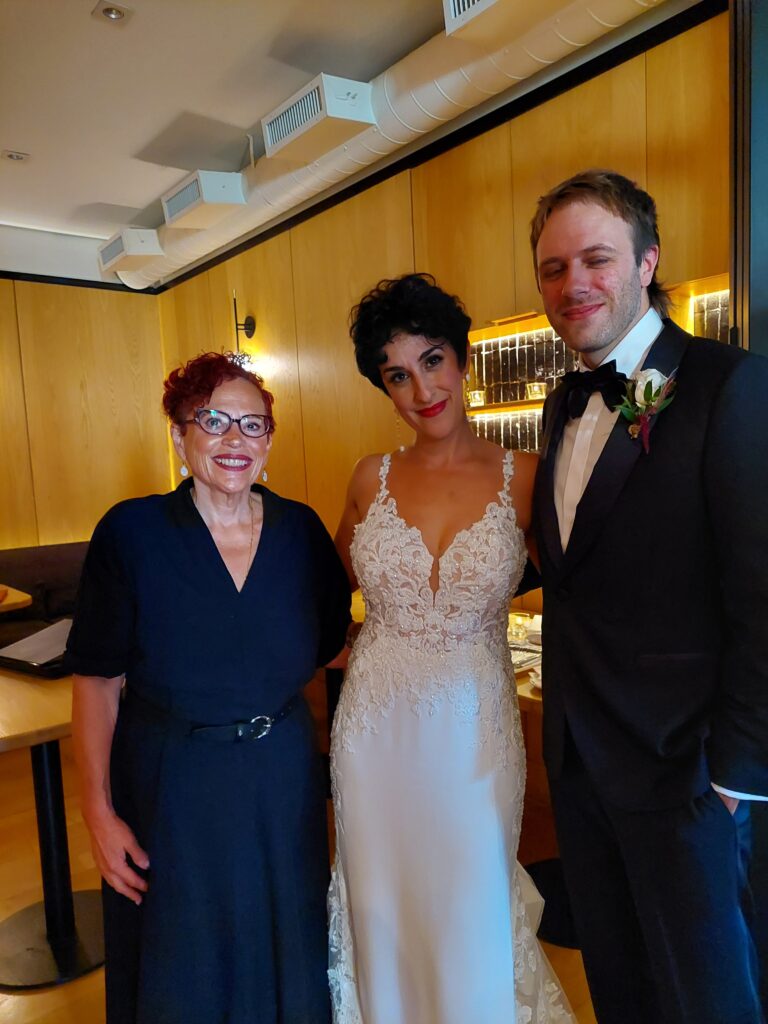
x,y
18,521
462,224
337,256
93,388
598,124
188,322
262,278
688,150
198,316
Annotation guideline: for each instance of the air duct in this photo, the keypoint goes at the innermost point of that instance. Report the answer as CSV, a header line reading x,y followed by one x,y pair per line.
x,y
485,22
203,198
321,116
129,249
428,88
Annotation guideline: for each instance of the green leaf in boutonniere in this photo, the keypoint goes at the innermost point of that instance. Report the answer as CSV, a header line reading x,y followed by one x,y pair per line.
x,y
647,395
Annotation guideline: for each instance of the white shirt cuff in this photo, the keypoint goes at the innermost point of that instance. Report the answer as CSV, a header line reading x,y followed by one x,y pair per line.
x,y
735,795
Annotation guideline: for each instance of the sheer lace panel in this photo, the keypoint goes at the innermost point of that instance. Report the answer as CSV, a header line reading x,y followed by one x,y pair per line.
x,y
431,647
477,573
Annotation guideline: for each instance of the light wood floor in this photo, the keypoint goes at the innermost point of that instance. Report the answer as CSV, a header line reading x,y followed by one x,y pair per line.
x,y
81,1002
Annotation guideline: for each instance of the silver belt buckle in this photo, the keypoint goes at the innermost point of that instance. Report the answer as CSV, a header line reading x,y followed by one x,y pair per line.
x,y
263,724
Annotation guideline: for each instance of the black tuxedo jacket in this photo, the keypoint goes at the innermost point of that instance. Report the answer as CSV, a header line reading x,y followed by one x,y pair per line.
x,y
655,645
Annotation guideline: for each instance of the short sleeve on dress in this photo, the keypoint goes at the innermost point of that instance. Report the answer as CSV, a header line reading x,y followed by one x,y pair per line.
x,y
102,639
335,597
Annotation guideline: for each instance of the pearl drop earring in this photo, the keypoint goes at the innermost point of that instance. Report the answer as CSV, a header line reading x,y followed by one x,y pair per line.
x,y
264,475
183,470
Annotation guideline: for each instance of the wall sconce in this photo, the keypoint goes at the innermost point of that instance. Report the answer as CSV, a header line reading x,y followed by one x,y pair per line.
x,y
476,398
248,326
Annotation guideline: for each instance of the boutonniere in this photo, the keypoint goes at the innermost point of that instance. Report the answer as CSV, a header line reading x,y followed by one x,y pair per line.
x,y
647,394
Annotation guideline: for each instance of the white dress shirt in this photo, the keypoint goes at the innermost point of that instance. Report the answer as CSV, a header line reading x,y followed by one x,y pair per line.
x,y
584,438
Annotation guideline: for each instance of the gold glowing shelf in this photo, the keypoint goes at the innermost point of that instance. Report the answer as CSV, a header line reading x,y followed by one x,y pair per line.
x,y
531,405
527,323
684,297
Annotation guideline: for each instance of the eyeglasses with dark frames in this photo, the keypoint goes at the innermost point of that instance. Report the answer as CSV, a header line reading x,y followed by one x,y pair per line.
x,y
213,421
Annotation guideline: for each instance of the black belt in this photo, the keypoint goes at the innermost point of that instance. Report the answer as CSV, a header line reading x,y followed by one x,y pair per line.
x,y
255,728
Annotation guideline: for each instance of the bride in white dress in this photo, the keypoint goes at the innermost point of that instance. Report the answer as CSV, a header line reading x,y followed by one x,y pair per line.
x,y
432,919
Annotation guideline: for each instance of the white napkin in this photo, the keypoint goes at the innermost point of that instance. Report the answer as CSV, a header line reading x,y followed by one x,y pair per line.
x,y
534,677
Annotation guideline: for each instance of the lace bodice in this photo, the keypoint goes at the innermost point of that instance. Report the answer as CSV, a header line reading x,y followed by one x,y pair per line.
x,y
477,573
428,776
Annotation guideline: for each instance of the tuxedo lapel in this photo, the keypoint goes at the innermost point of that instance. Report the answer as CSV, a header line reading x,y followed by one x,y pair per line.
x,y
549,527
619,456
668,349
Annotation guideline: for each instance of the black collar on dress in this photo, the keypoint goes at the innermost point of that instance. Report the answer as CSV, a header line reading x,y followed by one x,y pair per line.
x,y
183,513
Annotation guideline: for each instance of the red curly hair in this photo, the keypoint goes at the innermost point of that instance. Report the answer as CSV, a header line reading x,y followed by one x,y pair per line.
x,y
191,385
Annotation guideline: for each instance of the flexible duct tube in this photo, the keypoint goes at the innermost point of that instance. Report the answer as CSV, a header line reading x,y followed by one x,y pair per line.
x,y
436,83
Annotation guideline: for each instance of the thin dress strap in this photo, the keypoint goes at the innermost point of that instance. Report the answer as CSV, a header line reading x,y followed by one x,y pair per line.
x,y
383,491
509,472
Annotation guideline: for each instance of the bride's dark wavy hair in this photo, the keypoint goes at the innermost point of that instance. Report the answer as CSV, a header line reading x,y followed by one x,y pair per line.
x,y
411,304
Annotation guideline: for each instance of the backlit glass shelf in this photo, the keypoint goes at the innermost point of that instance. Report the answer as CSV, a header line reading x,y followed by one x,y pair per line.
x,y
505,360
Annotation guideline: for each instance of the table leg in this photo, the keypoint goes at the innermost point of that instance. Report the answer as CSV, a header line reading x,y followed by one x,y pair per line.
x,y
61,938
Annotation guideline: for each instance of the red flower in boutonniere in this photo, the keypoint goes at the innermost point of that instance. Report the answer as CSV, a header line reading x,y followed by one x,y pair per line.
x,y
647,394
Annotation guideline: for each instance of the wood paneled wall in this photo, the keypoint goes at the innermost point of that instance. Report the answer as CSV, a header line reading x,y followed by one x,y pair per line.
x,y
198,316
18,519
337,257
464,225
687,156
81,369
91,363
601,123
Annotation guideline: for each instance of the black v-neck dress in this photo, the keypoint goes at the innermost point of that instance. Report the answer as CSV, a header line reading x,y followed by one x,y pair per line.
x,y
233,928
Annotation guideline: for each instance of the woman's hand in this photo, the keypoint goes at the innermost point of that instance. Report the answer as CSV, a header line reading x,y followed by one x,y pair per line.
x,y
95,701
112,841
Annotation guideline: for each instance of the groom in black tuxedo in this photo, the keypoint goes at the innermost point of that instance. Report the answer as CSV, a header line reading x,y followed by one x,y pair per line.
x,y
653,539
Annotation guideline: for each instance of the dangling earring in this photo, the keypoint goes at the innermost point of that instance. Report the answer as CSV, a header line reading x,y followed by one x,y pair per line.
x,y
264,476
466,378
398,423
183,470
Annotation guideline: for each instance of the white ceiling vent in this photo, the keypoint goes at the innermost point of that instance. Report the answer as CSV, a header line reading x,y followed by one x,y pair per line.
x,y
323,115
487,21
130,249
203,199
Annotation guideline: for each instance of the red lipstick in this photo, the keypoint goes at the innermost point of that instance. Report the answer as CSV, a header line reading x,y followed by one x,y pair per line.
x,y
433,410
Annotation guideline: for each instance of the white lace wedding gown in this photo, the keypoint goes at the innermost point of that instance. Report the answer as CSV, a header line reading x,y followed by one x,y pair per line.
x,y
432,920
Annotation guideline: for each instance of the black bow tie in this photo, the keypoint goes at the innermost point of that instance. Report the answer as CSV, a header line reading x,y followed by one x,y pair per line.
x,y
580,384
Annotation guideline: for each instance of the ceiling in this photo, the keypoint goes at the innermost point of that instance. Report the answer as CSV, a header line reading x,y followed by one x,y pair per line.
x,y
112,115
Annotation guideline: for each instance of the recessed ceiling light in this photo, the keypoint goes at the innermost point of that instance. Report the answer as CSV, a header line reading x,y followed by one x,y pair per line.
x,y
115,13
14,154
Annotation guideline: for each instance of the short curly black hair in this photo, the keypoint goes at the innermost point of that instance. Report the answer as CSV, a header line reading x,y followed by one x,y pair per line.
x,y
411,304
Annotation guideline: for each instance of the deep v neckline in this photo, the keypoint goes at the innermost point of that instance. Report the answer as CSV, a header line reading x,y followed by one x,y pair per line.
x,y
257,491
387,501
390,506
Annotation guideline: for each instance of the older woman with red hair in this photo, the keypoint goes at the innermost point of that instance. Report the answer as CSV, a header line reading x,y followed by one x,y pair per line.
x,y
201,615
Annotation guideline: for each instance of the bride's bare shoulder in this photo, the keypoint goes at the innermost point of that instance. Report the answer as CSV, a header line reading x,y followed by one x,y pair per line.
x,y
366,470
364,482
526,464
489,454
